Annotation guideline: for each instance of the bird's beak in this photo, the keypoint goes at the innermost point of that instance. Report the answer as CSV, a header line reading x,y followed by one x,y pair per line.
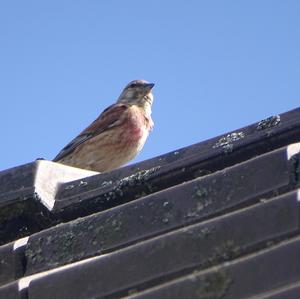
x,y
149,86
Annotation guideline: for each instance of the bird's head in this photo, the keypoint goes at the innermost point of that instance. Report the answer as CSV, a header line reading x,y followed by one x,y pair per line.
x,y
138,92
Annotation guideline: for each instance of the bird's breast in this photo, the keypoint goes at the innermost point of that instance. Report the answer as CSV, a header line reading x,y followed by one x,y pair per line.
x,y
137,126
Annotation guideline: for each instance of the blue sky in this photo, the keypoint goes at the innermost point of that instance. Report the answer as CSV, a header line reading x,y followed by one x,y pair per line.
x,y
217,65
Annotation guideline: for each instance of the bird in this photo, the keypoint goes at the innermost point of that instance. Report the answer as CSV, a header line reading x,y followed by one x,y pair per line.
x,y
117,135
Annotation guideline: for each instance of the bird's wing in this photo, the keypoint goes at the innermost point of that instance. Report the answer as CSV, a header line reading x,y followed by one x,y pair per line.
x,y
109,118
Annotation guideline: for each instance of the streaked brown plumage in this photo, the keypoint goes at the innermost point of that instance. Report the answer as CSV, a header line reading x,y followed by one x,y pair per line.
x,y
117,135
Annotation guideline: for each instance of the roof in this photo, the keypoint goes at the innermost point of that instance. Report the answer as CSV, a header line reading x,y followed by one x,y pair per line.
x,y
218,219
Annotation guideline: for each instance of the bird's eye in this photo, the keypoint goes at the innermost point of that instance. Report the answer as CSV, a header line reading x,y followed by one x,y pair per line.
x,y
133,85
